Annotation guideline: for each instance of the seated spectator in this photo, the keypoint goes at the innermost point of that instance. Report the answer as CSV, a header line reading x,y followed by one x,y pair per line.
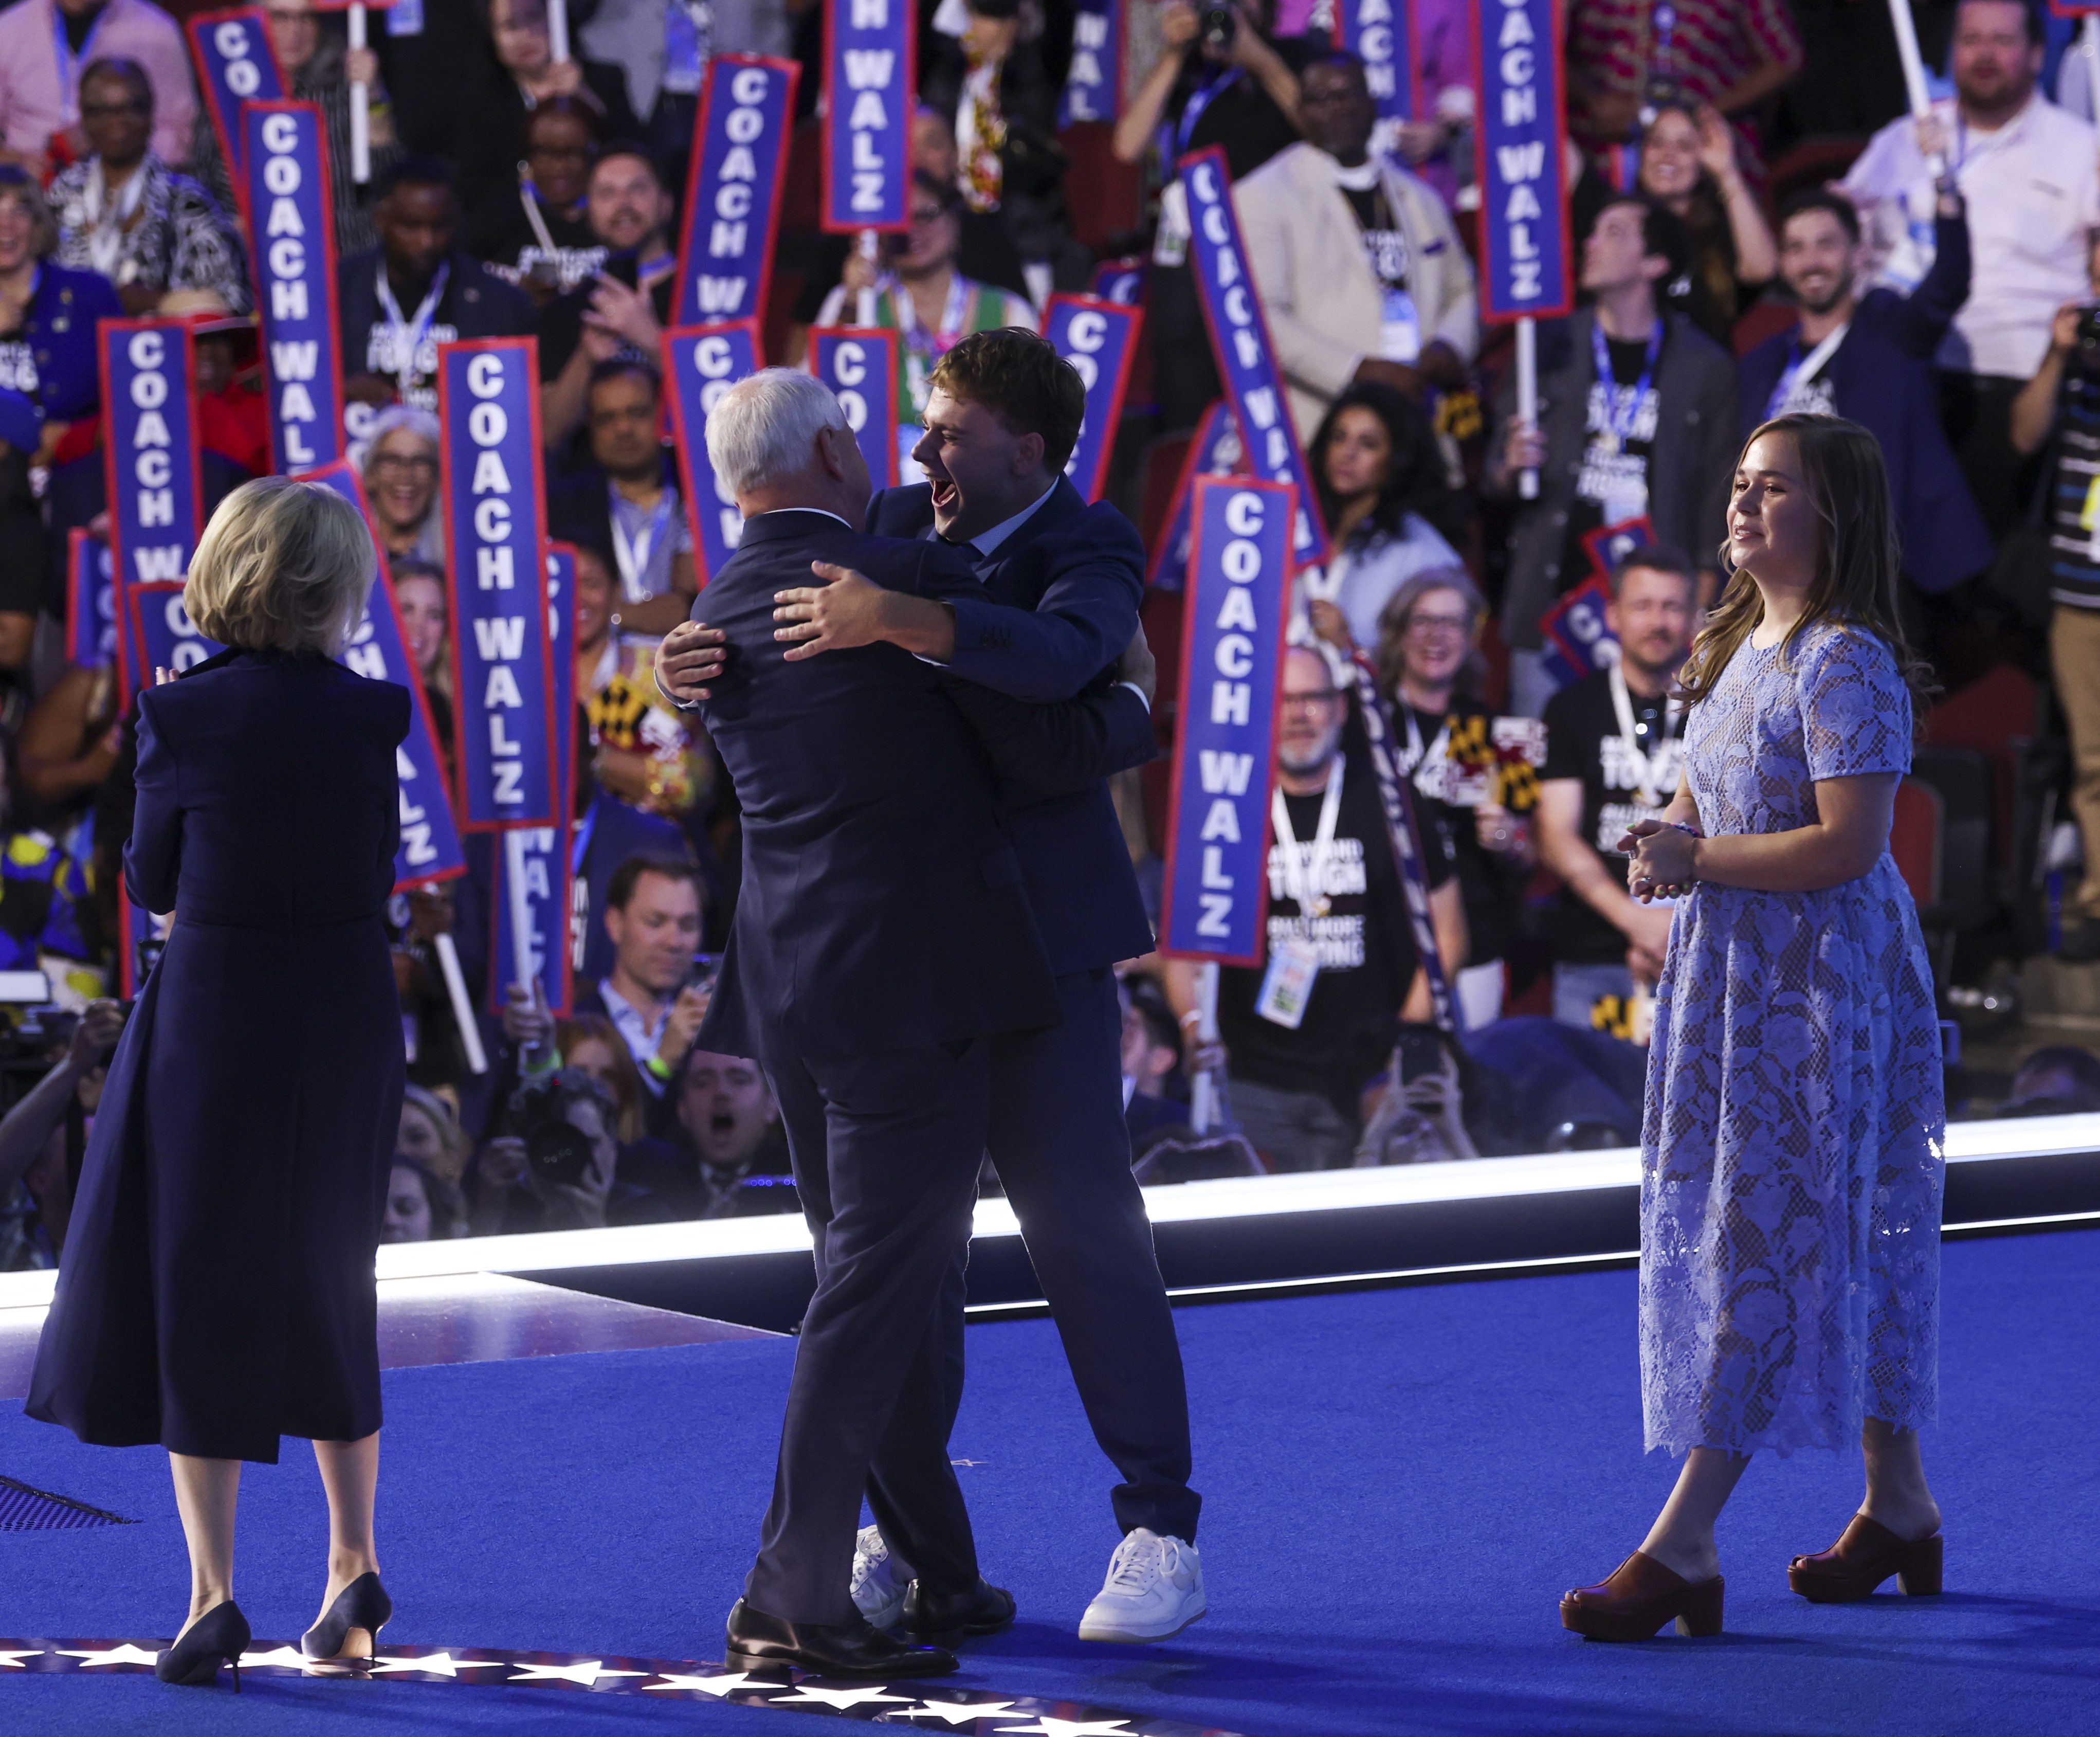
x,y
1151,1055
609,833
125,214
2058,413
918,291
400,470
515,73
1869,358
623,310
1379,476
419,594
414,292
41,1139
540,238
40,98
431,1135
652,916
628,501
1362,275
729,1157
1614,749
1464,765
421,1206
989,83
643,750
1688,162
2056,1079
589,1042
1297,1066
1639,410
318,67
1232,88
985,252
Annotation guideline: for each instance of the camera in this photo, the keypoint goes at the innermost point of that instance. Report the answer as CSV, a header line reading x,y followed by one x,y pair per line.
x,y
559,1151
1219,25
2089,337
705,972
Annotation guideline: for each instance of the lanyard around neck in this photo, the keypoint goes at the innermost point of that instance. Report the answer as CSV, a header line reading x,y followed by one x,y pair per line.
x,y
633,551
1622,408
408,336
1803,369
1650,791
1307,882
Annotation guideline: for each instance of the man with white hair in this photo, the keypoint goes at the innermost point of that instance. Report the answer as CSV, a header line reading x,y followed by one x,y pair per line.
x,y
883,937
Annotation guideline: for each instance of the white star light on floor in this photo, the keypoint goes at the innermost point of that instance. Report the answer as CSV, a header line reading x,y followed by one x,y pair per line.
x,y
289,1657
585,1672
959,1712
12,1661
806,1695
725,1684
123,1653
1050,1727
438,1665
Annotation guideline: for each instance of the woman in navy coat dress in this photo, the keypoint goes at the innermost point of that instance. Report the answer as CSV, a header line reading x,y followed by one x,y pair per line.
x,y
216,1291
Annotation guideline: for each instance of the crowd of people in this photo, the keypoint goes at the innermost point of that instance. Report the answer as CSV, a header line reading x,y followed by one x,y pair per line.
x,y
1935,279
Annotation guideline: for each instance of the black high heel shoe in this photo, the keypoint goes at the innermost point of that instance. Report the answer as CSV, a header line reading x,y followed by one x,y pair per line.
x,y
221,1633
363,1604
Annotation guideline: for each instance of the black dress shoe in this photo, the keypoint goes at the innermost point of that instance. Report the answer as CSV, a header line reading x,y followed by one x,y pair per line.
x,y
758,1641
945,1618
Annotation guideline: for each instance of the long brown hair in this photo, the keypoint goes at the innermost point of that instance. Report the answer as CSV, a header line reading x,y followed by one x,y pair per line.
x,y
1856,564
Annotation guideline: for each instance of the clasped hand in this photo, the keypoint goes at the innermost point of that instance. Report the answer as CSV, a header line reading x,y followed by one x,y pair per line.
x,y
1663,856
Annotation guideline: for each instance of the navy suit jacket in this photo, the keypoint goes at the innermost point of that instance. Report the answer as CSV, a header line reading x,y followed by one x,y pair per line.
x,y
1048,617
882,905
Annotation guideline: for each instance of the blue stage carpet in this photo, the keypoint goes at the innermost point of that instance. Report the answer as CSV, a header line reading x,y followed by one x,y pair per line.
x,y
1400,1484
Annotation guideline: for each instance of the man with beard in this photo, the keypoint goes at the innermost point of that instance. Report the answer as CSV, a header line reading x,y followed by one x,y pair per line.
x,y
1868,358
2029,174
1614,745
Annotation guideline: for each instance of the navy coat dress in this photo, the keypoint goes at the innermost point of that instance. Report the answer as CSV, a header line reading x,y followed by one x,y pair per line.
x,y
216,1288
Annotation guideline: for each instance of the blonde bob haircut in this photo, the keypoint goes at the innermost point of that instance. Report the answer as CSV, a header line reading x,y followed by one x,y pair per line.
x,y
283,566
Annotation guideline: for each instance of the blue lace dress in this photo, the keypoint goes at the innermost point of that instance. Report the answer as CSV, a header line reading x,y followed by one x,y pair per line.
x,y
1791,1149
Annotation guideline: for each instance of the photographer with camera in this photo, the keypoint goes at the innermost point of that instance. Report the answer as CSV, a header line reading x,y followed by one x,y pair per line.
x,y
33,1214
2060,409
554,1170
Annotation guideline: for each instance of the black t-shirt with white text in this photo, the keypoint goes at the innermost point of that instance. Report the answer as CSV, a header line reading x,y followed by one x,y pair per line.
x,y
1367,952
1612,483
1583,743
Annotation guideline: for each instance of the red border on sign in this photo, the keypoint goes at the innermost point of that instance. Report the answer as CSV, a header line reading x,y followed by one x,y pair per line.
x,y
1558,139
1203,485
792,70
529,347
109,464
830,107
866,335
684,436
332,347
1091,488
194,27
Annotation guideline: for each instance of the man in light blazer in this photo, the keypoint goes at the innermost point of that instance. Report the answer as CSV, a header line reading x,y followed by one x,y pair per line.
x,y
1361,274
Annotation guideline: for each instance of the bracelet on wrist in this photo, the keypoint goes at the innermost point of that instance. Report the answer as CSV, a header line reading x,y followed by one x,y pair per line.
x,y
659,1068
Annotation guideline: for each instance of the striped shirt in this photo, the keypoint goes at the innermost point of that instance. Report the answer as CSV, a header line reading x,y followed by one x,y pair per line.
x,y
1712,47
2074,500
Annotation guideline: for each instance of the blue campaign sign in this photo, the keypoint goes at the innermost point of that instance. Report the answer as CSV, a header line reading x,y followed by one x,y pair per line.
x,y
1520,119
1216,451
234,64
701,362
529,916
859,364
167,638
739,168
291,227
496,532
1239,335
1093,87
1381,34
1120,280
150,463
1224,762
562,637
91,601
430,849
871,77
1100,340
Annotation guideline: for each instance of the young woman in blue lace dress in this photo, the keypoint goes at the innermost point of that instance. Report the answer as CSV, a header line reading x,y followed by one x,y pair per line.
x,y
1791,1146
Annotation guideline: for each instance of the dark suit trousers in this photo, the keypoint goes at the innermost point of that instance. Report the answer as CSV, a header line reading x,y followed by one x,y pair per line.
x,y
886,1150
1062,1151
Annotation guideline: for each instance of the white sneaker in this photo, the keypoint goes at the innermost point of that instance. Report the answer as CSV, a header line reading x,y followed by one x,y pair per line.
x,y
1154,1590
879,1580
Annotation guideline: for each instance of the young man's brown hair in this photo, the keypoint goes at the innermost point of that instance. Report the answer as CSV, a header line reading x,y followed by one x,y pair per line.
x,y
1021,379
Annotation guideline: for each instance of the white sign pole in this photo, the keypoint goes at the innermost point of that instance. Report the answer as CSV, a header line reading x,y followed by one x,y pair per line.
x,y
360,109
1203,1088
558,30
2089,43
477,1058
1913,68
1527,393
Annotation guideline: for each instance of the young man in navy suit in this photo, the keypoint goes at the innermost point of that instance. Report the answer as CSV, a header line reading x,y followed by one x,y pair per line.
x,y
882,940
1055,600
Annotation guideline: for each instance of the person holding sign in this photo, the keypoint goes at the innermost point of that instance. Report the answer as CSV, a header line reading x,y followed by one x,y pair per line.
x,y
1638,420
216,1293
883,946
1791,1167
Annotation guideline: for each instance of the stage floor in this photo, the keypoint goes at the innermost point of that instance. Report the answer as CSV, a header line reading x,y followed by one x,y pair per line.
x,y
1398,1484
